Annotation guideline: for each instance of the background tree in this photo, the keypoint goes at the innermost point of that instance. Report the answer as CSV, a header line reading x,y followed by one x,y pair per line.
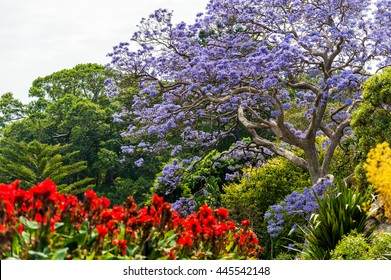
x,y
11,109
70,108
83,80
247,63
34,162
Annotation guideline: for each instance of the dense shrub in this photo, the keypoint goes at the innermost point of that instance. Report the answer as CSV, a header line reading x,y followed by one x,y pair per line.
x,y
353,246
261,187
356,246
43,224
381,246
378,168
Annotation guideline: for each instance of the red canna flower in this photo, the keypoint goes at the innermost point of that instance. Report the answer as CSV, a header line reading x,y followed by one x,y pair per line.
x,y
220,229
38,218
91,194
231,225
172,255
186,239
38,205
157,201
45,188
20,228
102,231
105,202
111,225
121,245
245,223
205,211
222,213
208,232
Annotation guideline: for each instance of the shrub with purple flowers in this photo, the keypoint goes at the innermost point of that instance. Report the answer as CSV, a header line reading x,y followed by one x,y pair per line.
x,y
294,211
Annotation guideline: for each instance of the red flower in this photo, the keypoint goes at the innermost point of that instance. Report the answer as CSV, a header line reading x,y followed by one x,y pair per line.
x,y
118,213
172,255
193,224
253,239
38,218
186,239
220,229
246,223
222,213
111,225
231,225
208,232
121,245
91,194
205,211
105,202
21,228
38,204
242,240
44,188
102,231
157,201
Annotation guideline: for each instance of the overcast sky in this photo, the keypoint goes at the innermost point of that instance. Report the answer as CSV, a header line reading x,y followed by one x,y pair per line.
x,y
39,37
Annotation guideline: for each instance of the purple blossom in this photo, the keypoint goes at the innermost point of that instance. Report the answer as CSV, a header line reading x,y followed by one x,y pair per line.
x,y
295,204
139,162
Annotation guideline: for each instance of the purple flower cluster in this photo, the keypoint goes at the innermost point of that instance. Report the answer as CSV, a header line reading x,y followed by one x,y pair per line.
x,y
295,205
171,175
184,206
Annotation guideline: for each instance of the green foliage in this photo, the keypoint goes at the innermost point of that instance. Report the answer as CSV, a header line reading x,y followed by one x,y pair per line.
x,y
371,121
34,162
83,80
381,246
138,188
261,187
284,256
70,108
340,211
11,109
356,246
353,246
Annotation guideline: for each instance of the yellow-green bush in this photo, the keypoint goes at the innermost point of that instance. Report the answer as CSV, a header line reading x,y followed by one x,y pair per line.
x,y
378,168
262,187
355,246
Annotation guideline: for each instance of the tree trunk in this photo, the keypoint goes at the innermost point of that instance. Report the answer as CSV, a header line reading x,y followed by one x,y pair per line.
x,y
314,167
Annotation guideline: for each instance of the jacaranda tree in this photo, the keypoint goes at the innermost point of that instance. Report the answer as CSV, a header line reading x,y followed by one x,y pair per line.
x,y
252,63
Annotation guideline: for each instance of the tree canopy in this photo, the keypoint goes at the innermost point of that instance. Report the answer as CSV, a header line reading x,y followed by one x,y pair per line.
x,y
247,63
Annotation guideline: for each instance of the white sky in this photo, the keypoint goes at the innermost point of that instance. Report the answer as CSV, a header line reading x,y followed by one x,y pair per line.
x,y
39,37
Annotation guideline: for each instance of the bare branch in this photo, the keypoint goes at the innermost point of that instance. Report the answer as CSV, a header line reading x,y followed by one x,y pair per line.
x,y
304,85
298,161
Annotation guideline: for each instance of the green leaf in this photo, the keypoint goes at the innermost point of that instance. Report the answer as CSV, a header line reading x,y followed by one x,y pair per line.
x,y
91,257
58,225
60,254
84,227
26,237
229,247
38,255
29,224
